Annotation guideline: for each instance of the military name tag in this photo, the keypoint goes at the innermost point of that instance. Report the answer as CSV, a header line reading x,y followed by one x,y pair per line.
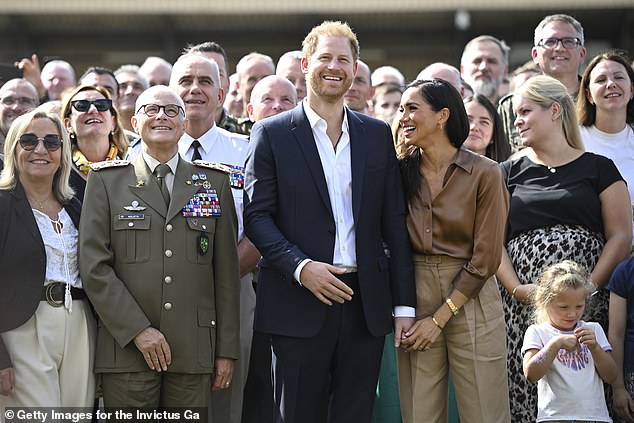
x,y
131,216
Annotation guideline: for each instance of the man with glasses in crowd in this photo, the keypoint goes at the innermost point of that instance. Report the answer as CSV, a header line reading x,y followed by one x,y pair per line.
x,y
559,52
17,97
158,239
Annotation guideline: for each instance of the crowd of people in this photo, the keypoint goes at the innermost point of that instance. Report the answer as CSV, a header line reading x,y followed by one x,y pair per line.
x,y
173,235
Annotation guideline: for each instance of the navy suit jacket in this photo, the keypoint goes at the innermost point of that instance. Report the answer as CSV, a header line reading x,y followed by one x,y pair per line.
x,y
288,217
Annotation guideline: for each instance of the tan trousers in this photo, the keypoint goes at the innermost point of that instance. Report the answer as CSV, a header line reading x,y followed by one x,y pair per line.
x,y
52,354
472,344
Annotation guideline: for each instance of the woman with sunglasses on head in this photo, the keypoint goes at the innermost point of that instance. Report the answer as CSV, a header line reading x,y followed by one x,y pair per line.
x,y
457,206
566,204
95,132
47,331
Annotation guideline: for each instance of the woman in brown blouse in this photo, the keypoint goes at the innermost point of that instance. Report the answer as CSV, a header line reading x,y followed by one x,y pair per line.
x,y
457,206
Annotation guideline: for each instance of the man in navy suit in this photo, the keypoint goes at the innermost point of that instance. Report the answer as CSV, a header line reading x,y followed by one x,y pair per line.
x,y
323,196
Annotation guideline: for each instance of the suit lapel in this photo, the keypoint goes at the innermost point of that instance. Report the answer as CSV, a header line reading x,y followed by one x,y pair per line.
x,y
300,127
146,187
25,214
181,191
358,152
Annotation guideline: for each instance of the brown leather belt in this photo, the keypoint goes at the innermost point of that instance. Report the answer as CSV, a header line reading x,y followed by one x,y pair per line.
x,y
54,294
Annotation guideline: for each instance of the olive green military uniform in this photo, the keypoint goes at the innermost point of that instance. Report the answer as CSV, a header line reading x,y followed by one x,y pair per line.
x,y
144,264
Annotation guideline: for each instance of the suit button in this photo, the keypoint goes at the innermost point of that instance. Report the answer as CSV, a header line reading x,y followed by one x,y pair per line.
x,y
168,279
167,306
169,227
168,253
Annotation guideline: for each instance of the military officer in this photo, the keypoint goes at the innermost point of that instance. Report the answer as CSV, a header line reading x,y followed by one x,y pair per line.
x,y
159,260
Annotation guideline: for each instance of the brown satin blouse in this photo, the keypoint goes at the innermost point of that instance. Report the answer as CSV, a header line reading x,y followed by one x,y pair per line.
x,y
466,220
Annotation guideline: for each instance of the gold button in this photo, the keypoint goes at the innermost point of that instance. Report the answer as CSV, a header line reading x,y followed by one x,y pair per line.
x,y
130,224
168,279
204,227
168,253
169,227
427,230
167,306
213,323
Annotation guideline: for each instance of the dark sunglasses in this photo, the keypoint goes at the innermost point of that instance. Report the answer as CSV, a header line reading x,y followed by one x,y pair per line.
x,y
29,142
101,104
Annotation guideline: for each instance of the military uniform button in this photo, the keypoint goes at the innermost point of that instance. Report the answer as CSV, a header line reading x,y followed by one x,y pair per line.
x,y
204,227
168,253
213,323
167,306
168,279
169,227
130,224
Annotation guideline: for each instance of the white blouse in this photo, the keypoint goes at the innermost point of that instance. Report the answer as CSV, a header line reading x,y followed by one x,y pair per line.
x,y
61,248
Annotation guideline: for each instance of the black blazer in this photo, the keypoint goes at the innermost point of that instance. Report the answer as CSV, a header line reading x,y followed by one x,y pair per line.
x,y
289,218
22,261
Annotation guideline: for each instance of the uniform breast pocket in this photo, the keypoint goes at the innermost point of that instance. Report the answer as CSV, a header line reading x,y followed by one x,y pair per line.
x,y
133,238
200,239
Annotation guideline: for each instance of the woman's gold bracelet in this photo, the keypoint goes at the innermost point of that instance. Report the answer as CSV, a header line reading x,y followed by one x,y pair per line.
x,y
433,319
513,293
452,307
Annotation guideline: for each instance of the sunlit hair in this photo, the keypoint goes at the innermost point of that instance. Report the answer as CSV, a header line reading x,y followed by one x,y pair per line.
x,y
11,172
559,18
438,94
586,111
332,29
499,148
117,136
556,279
545,91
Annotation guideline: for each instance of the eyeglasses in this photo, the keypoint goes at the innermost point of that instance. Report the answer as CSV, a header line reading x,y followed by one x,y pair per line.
x,y
22,101
567,42
101,104
170,110
29,142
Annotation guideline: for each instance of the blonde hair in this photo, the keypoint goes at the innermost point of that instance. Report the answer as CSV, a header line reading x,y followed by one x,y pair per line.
x,y
11,172
545,91
117,136
333,29
556,279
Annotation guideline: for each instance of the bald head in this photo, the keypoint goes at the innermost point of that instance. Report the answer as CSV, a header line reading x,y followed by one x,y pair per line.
x,y
271,95
443,71
290,67
156,70
57,76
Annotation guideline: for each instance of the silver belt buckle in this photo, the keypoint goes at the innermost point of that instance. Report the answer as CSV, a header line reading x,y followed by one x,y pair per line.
x,y
49,295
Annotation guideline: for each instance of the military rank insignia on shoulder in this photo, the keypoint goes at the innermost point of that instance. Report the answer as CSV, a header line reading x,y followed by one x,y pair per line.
x,y
97,166
212,165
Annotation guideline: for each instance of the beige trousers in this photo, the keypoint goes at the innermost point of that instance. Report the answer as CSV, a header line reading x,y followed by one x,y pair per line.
x,y
472,344
52,354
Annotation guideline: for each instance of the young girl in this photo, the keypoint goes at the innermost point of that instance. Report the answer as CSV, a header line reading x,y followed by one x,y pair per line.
x,y
567,356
